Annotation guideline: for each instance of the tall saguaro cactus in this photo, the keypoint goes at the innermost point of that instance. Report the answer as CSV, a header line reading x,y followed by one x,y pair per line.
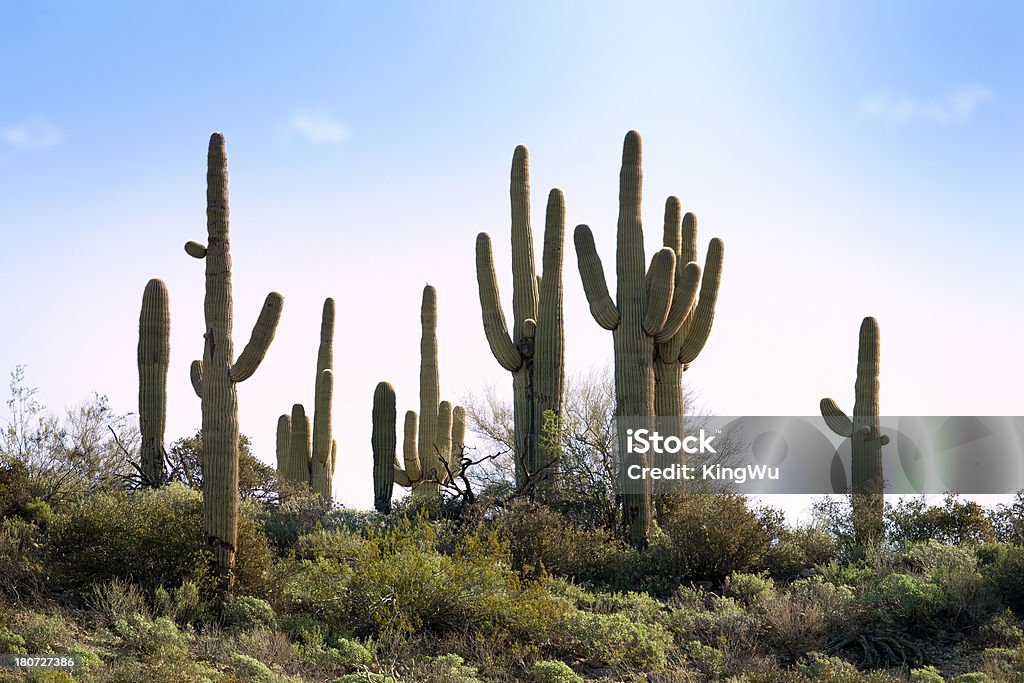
x,y
674,355
214,378
305,454
154,356
534,352
866,438
647,311
430,459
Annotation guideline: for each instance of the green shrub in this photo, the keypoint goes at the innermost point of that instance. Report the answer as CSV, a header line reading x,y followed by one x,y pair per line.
x,y
613,639
1004,662
749,589
243,612
955,522
42,632
252,669
152,537
926,674
451,668
350,654
364,677
301,513
540,537
1002,565
905,599
974,677
554,671
708,660
11,642
87,662
708,537
798,548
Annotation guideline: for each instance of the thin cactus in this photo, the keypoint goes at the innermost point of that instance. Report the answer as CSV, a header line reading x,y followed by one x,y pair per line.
x,y
214,378
647,311
427,447
306,455
384,442
154,356
866,439
534,353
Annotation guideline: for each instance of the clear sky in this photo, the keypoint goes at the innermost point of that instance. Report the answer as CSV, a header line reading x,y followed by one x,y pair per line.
x,y
857,159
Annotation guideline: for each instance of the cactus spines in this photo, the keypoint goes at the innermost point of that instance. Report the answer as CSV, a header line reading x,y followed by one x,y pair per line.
x,y
215,378
641,314
153,356
689,321
384,442
427,444
866,438
534,352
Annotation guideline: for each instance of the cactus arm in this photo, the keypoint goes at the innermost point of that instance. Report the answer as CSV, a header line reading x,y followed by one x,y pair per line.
x,y
430,383
672,235
594,283
410,451
195,249
660,290
866,387
524,280
334,456
682,303
299,446
320,455
195,373
442,451
384,441
284,434
698,328
688,238
400,477
262,335
495,327
835,418
458,439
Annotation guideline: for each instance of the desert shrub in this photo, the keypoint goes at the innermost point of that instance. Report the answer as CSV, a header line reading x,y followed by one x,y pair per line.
x,y
709,536
364,677
15,487
817,666
805,618
252,669
954,569
396,581
749,589
1008,520
973,677
350,654
852,575
87,662
905,599
955,522
43,632
1002,629
554,671
450,668
118,599
636,606
11,642
243,612
1002,565
926,674
540,537
21,553
151,537
708,660
798,548
297,515
613,639
1004,663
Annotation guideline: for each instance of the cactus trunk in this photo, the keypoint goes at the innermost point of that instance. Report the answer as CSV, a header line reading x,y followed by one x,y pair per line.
x,y
384,443
864,430
215,378
153,357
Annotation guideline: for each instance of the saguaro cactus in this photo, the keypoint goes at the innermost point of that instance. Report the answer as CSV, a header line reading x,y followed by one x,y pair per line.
x,y
534,353
154,356
674,355
305,454
427,445
214,378
647,311
384,442
866,438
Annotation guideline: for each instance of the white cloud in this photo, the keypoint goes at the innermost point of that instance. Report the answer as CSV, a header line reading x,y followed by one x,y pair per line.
x,y
34,134
317,126
955,106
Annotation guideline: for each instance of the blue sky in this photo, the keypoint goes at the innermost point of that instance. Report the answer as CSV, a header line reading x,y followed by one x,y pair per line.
x,y
857,159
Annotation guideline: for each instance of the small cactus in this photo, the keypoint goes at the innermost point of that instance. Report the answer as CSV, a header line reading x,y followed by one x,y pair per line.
x,y
154,356
866,439
215,377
